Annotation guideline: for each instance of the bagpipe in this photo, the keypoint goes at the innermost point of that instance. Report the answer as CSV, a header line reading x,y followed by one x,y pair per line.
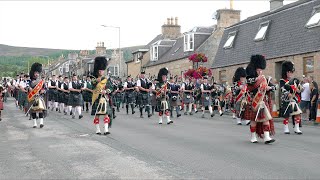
x,y
162,91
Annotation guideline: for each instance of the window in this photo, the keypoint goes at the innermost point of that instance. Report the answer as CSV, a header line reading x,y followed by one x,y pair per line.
x,y
154,52
67,67
188,42
262,31
230,40
137,57
308,65
314,19
114,70
223,76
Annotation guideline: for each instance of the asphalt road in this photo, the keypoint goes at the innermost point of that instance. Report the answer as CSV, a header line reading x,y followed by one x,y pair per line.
x,y
190,148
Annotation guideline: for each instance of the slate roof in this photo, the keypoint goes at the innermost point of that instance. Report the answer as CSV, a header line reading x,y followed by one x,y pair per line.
x,y
286,35
176,52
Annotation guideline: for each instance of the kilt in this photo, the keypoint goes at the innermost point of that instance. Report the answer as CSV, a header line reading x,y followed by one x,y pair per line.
x,y
176,102
118,97
206,99
87,96
65,98
95,106
53,95
143,98
60,97
23,99
75,99
153,99
130,97
187,98
162,104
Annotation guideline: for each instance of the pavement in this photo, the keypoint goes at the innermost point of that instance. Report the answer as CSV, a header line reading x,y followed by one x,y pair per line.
x,y
139,148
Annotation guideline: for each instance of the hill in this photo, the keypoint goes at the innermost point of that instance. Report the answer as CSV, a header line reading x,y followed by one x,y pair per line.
x,y
15,59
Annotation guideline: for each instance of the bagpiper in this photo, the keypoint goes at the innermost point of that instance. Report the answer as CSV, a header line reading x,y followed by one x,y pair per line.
x,y
65,95
36,94
239,94
143,99
60,93
101,100
174,97
75,96
87,93
259,101
206,99
290,87
162,88
129,87
53,93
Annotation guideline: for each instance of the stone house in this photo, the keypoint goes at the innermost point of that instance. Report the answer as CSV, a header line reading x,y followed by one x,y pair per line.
x,y
289,32
172,48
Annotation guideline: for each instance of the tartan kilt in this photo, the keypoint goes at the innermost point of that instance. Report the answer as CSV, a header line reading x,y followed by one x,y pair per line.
x,y
87,96
53,95
130,97
162,104
60,96
153,99
188,98
143,99
75,99
95,106
65,98
177,102
118,97
206,99
23,99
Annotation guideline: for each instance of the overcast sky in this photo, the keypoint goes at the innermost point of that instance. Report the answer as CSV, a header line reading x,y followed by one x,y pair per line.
x,y
77,24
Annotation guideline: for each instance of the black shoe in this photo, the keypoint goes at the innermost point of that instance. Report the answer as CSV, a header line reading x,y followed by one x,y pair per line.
x,y
71,113
248,123
191,113
178,115
73,117
196,111
0,119
149,115
81,116
299,133
65,113
57,109
212,115
271,141
106,133
133,112
287,133
221,114
160,122
99,133
239,124
141,116
41,125
34,126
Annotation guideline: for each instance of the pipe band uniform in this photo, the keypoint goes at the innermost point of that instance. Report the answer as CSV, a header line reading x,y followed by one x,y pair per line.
x,y
36,95
101,100
259,105
290,89
162,88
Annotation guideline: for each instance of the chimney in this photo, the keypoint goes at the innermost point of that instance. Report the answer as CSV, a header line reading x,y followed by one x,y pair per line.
x,y
102,44
275,4
171,30
227,17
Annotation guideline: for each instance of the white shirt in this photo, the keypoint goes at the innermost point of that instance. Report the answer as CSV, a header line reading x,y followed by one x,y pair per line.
x,y
70,85
139,82
305,94
49,84
125,85
23,84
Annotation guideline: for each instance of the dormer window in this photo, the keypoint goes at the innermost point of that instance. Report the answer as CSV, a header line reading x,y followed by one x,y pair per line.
x,y
137,57
230,40
314,19
261,35
189,42
154,52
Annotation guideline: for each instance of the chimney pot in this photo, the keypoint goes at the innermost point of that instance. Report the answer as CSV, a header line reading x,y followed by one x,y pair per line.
x,y
275,4
176,21
168,21
171,21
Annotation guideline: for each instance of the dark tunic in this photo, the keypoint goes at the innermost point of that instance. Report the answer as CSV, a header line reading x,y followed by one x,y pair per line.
x,y
75,98
143,96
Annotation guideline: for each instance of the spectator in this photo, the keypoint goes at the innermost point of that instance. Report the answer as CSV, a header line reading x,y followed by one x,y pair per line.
x,y
311,80
305,99
314,98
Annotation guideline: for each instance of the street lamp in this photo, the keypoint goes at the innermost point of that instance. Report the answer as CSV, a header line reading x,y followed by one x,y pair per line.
x,y
119,70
